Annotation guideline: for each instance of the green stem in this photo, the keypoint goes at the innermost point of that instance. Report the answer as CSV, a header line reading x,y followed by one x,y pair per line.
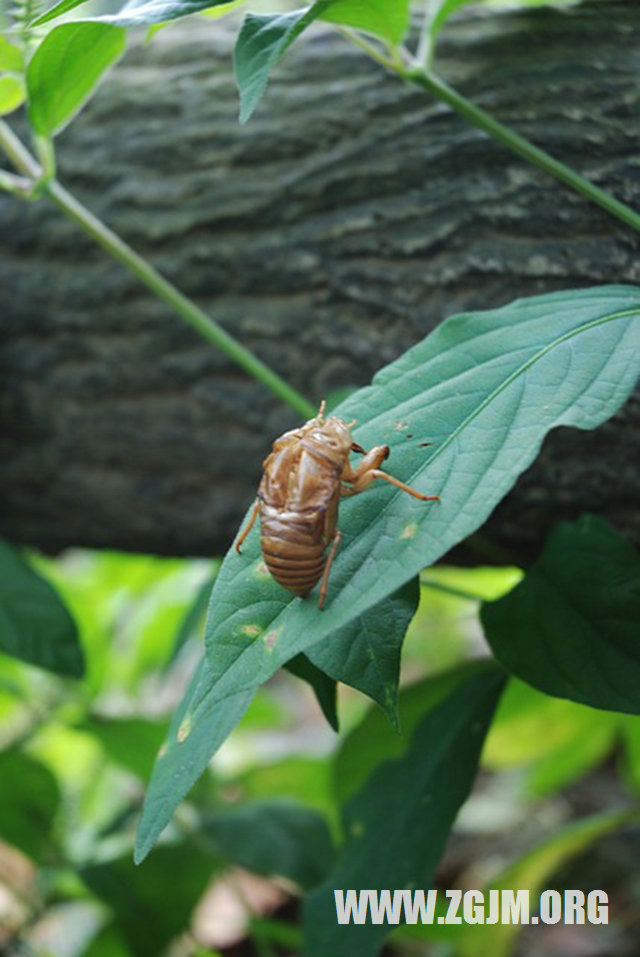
x,y
188,311
518,144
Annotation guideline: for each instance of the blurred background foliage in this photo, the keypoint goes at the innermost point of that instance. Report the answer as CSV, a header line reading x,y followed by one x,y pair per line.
x,y
261,826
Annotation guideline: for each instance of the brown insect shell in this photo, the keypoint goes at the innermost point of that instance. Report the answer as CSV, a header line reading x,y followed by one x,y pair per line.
x,y
299,496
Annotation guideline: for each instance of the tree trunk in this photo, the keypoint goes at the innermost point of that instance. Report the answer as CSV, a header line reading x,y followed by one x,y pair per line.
x,y
332,232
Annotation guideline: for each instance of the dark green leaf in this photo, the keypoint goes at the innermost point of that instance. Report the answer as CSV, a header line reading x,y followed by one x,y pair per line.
x,y
265,38
324,687
66,68
397,824
153,903
484,388
570,628
276,837
34,624
132,743
374,740
366,652
29,799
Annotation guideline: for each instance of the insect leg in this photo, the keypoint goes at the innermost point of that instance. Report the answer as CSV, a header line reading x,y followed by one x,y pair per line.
x,y
368,471
250,523
337,538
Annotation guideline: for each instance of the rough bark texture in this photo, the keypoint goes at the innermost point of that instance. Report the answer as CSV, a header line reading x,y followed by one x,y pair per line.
x,y
337,228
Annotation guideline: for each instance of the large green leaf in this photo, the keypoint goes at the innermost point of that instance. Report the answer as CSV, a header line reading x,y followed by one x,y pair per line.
x,y
570,628
276,837
265,38
397,824
484,388
35,626
66,68
29,799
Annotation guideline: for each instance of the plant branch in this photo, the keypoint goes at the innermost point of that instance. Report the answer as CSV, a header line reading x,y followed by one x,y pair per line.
x,y
188,311
518,144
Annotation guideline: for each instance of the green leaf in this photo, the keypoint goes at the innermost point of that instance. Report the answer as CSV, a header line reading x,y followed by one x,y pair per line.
x,y
397,824
276,837
12,93
11,57
387,19
324,687
554,740
484,388
375,740
152,904
265,38
532,873
29,799
570,628
132,743
65,70
145,12
366,652
34,624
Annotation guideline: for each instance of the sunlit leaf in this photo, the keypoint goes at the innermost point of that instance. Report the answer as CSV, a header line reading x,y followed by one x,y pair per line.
x,y
570,628
12,93
65,70
11,57
484,389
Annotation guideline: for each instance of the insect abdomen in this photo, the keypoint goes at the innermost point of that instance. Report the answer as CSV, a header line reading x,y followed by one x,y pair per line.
x,y
291,549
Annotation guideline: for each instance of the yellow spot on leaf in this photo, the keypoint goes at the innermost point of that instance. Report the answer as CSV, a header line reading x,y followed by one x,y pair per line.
x,y
251,631
409,531
184,730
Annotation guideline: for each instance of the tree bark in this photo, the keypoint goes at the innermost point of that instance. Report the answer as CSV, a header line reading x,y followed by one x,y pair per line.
x,y
332,232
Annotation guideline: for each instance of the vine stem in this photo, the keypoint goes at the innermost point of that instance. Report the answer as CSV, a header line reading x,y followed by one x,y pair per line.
x,y
518,144
187,310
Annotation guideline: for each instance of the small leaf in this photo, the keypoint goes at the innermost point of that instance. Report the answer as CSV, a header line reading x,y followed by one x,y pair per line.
x,y
263,40
11,57
276,837
484,388
29,799
34,624
397,824
570,628
64,6
66,68
12,93
365,654
324,687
